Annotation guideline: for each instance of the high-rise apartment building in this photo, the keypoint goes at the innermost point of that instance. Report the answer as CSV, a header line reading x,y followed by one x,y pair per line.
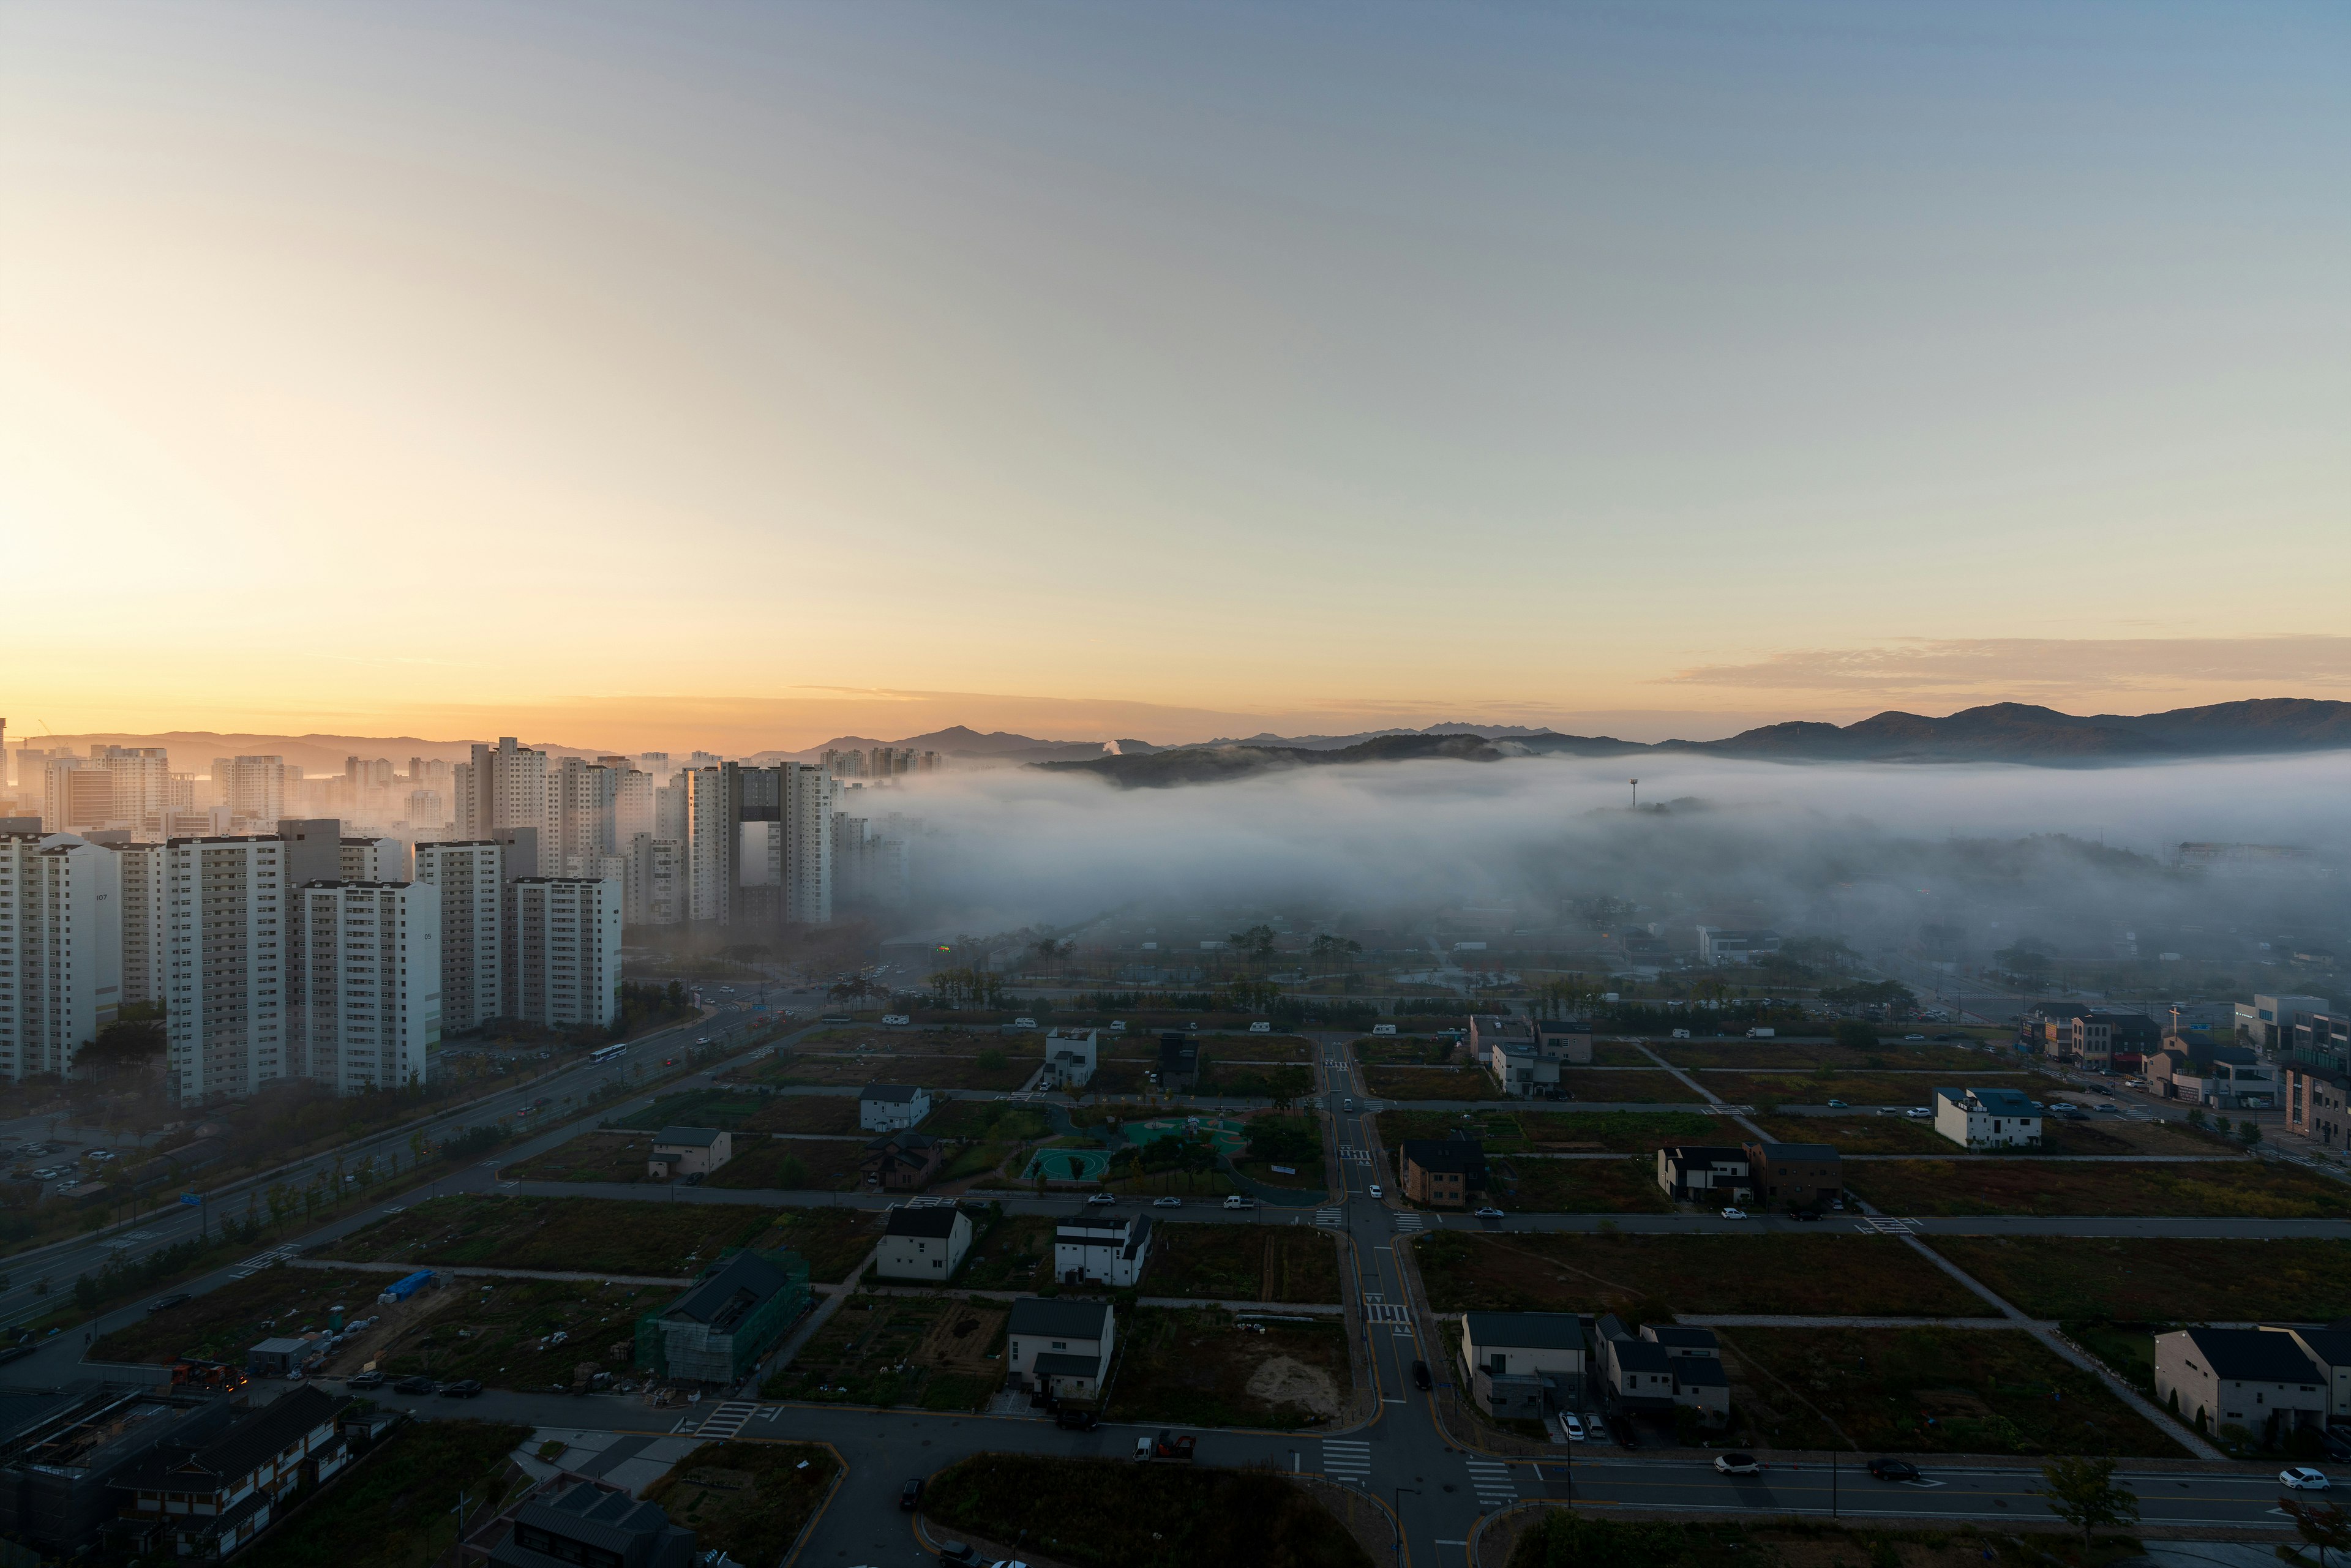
x,y
364,982
76,794
225,900
468,878
317,850
506,786
252,788
711,846
871,865
632,802
759,844
60,950
140,873
652,882
423,811
562,967
583,807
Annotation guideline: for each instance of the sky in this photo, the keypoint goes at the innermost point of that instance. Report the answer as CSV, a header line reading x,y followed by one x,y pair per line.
x,y
595,372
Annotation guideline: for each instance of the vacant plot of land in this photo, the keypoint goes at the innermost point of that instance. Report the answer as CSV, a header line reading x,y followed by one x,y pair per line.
x,y
398,1509
1855,1088
1108,1513
1596,1131
1016,1255
596,1236
1430,1083
1771,1056
2149,1279
590,1157
750,1500
994,1119
1198,1365
220,1325
1606,1085
1407,1050
1243,1263
1926,1390
1844,1275
1000,1070
1578,1187
1858,1134
502,1331
808,1164
2113,1136
1263,1049
804,1114
696,1108
940,1352
2241,1187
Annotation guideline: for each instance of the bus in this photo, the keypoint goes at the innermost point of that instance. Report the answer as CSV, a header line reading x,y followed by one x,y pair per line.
x,y
610,1053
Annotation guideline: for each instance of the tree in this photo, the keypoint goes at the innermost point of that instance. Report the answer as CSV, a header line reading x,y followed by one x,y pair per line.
x,y
2251,1131
1856,1035
1339,950
2323,1524
1568,993
1256,944
2082,1493
1290,1085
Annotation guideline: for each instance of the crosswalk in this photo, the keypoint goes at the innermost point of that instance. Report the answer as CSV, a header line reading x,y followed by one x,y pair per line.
x,y
1360,1156
1326,1217
1494,1482
1407,1220
252,1266
727,1421
1887,1224
1347,1460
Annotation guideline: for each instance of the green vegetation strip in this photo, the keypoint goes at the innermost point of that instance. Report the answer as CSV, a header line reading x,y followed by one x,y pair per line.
x,y
1110,1513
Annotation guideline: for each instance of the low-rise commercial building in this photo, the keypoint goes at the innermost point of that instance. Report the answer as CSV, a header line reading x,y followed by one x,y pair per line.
x,y
1440,1172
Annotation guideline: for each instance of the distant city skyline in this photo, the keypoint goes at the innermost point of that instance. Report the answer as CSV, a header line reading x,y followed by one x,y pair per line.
x,y
744,376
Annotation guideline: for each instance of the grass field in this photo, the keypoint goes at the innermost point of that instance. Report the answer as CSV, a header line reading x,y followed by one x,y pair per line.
x,y
1243,1262
937,1352
1112,1513
1628,1185
1845,1275
1198,1366
590,1157
750,1500
728,1108
991,1064
220,1324
1854,1088
599,1235
2113,1136
1456,1084
1771,1056
1017,1255
1511,1132
805,1113
397,1508
993,1119
1861,1135
1926,1390
495,1330
1603,1086
2160,1280
2238,1188
813,1164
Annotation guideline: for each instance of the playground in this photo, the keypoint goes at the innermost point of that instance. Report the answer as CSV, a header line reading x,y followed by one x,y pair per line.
x,y
1228,1136
1066,1164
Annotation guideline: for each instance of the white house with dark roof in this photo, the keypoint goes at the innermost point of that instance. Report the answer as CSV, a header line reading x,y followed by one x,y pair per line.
x,y
1522,1364
1987,1118
926,1243
2263,1381
1070,1057
892,1107
689,1151
1061,1346
1102,1249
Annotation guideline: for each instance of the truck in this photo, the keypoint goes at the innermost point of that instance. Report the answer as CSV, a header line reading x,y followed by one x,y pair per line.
x,y
1237,1201
1760,1033
1166,1446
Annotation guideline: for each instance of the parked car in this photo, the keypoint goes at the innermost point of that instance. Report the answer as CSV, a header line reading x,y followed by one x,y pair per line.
x,y
1024,1023
2301,1477
1420,1378
1236,1200
1572,1426
1919,1112
895,1020
1806,1215
1173,1446
1489,1212
910,1496
417,1384
1101,1198
1915,1036
173,1299
1837,1105
1170,1202
464,1388
1734,1214
691,1178
1077,1418
364,1380
957,1552
1736,1464
1894,1469
1376,1189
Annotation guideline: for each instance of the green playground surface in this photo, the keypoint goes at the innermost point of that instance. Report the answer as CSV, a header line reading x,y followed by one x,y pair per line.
x,y
1066,1164
1226,1135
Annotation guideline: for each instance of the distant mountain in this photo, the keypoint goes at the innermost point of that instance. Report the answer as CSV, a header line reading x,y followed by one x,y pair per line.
x,y
2000,732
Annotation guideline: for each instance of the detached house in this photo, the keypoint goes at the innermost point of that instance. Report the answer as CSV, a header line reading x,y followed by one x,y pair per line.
x,y
207,1500
690,1151
903,1162
923,1244
2262,1380
1522,1365
892,1107
1693,1173
1061,1347
591,1525
1069,1055
1987,1118
1440,1172
1102,1249
1661,1367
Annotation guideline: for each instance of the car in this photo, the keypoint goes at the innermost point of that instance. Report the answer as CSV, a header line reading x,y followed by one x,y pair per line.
x,y
1734,1214
1101,1198
1572,1426
691,1178
910,1496
895,1020
1348,1104
1919,1112
1916,1037
1236,1200
464,1388
1837,1105
1376,1189
98,1153
1489,1212
1420,1378
417,1384
1806,1215
364,1380
957,1552
1736,1464
2060,1105
2106,1105
704,1040
1169,1202
2301,1477
1077,1418
1894,1469
173,1299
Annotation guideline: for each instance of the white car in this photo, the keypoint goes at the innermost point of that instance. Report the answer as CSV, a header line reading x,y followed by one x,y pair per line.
x,y
1024,1023
1734,1214
1572,1426
1166,1203
1375,1191
1489,1212
1736,1464
1101,1198
2301,1477
1919,1112
2061,1105
896,1020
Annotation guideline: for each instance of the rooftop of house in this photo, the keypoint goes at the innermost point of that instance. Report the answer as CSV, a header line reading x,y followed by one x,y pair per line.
x,y
934,1223
1674,1338
1791,1154
1703,1155
1452,1156
725,1297
2253,1356
1063,1318
1990,1101
687,1137
1525,1330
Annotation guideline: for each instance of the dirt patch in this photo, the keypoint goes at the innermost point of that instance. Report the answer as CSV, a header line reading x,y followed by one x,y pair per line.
x,y
1281,1380
805,1113
1199,1366
2159,1280
590,1157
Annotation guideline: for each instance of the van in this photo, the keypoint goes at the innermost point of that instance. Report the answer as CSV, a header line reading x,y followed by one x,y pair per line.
x,y
1681,1034
1261,1028
1762,1033
895,1020
1024,1023
1384,1029
1238,1201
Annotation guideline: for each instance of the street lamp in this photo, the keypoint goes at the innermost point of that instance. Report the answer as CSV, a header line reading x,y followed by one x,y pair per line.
x,y
1396,1517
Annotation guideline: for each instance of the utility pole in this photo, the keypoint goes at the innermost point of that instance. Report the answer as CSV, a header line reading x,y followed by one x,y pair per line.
x,y
1636,794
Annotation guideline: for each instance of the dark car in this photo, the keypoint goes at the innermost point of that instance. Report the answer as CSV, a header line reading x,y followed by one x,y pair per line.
x,y
464,1388
1620,1427
1894,1469
173,1299
418,1384
910,1496
955,1551
1077,1418
1420,1378
693,1178
365,1380
1805,1214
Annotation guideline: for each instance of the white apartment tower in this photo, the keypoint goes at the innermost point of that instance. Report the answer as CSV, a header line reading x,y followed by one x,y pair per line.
x,y
469,878
252,788
141,872
507,786
224,903
563,951
364,982
60,950
632,802
710,846
652,883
